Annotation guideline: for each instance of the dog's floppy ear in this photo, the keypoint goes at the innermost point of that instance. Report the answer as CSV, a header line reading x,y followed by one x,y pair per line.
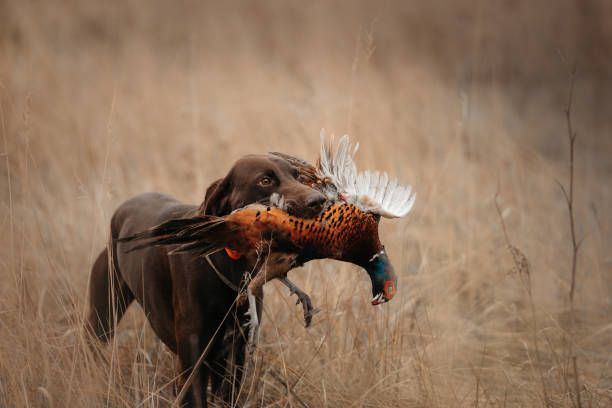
x,y
216,201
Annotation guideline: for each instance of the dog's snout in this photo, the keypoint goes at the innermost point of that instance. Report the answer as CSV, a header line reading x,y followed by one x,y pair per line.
x,y
305,205
315,202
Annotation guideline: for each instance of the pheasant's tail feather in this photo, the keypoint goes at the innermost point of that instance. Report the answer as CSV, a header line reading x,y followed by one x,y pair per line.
x,y
198,233
166,228
198,248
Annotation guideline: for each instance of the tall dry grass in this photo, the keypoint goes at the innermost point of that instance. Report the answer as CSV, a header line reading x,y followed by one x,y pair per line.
x,y
100,101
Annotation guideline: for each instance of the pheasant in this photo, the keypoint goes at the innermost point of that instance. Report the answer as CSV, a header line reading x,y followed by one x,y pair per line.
x,y
346,230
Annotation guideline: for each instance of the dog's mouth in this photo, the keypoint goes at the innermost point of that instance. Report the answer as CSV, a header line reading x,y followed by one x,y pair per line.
x,y
291,207
278,201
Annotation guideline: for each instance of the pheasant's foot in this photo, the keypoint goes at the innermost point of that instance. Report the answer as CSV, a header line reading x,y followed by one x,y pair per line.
x,y
253,323
302,298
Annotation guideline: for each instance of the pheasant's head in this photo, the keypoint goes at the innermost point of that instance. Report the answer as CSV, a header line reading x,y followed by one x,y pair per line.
x,y
373,193
383,277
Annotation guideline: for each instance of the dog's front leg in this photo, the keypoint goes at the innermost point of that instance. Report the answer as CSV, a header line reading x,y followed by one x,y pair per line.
x,y
194,342
191,391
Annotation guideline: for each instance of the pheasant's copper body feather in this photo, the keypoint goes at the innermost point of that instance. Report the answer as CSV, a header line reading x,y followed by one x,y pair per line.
x,y
341,232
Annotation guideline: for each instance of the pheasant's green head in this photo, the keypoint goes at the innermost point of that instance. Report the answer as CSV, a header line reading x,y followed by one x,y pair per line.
x,y
383,277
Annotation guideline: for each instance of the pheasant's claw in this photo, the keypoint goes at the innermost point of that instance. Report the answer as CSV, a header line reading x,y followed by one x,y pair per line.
x,y
308,315
302,298
309,310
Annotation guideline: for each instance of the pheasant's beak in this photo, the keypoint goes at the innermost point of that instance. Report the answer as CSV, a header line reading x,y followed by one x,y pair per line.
x,y
390,287
383,277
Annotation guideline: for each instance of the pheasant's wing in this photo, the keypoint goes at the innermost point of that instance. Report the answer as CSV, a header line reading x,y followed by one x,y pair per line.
x,y
338,167
372,191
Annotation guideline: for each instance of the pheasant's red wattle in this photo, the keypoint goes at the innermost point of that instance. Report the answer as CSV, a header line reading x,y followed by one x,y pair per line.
x,y
233,254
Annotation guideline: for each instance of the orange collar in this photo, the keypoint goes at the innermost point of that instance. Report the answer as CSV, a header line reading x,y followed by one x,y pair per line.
x,y
233,254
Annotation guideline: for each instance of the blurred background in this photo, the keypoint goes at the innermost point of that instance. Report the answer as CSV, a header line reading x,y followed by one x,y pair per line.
x,y
464,100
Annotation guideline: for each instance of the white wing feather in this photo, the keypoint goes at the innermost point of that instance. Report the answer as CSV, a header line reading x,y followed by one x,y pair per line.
x,y
371,191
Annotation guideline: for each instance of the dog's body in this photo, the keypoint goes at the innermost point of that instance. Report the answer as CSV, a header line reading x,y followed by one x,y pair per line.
x,y
189,306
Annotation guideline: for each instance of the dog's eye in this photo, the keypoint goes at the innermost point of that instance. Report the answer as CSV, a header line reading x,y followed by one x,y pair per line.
x,y
265,181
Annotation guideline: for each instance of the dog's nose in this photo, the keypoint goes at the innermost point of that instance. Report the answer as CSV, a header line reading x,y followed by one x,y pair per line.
x,y
315,202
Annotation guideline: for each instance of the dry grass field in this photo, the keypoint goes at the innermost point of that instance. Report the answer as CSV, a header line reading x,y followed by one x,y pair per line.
x,y
103,100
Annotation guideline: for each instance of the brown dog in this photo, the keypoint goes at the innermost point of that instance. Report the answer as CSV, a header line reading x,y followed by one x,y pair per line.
x,y
189,305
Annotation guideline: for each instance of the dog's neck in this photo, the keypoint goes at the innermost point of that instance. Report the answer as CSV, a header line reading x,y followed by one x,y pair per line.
x,y
239,273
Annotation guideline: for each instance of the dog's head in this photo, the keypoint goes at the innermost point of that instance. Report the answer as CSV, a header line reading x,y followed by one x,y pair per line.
x,y
254,179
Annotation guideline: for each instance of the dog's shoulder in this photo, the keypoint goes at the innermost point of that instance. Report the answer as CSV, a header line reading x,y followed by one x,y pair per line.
x,y
146,210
